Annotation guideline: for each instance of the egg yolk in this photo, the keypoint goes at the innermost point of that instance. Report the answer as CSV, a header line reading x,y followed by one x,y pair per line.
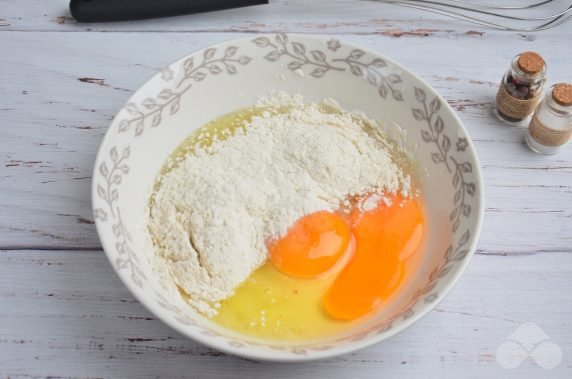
x,y
312,245
386,238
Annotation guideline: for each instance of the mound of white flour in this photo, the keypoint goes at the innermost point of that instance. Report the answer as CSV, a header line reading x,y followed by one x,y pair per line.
x,y
214,212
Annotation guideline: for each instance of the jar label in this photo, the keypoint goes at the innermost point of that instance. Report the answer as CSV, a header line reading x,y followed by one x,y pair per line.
x,y
513,107
547,136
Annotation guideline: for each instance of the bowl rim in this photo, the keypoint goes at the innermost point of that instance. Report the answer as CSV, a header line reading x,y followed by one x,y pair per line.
x,y
276,356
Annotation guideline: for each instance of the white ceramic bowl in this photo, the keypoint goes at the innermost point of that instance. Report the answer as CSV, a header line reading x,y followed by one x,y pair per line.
x,y
214,81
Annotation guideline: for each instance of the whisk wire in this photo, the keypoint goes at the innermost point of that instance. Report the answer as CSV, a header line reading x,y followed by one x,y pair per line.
x,y
444,8
503,6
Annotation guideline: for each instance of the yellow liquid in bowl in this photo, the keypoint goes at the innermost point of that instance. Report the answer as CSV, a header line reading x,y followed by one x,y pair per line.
x,y
272,305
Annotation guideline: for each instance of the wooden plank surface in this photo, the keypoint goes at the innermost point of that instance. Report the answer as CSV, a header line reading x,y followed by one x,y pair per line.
x,y
64,313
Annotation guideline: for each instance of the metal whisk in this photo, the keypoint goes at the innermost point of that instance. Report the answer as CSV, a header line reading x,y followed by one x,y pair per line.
x,y
493,11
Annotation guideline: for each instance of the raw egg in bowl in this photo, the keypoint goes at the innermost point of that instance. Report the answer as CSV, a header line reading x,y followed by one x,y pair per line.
x,y
336,278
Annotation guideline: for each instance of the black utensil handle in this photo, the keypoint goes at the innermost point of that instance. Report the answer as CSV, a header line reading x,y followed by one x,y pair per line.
x,y
123,10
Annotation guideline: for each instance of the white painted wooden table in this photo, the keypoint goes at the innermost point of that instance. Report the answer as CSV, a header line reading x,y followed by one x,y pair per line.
x,y
64,313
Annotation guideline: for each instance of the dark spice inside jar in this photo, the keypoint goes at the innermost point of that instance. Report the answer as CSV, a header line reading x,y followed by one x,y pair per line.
x,y
522,87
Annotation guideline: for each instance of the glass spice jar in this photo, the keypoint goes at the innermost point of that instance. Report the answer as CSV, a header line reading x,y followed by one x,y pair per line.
x,y
551,125
521,88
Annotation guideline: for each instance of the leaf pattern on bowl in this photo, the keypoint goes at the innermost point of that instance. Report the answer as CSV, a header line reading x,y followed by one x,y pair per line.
x,y
435,134
296,51
108,191
127,257
301,57
372,72
151,111
336,57
112,177
436,125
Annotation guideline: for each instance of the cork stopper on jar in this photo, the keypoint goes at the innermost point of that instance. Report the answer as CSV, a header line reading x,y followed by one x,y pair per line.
x,y
530,62
562,94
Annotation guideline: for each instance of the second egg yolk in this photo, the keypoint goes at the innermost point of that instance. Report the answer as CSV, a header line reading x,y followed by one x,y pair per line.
x,y
312,246
387,239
